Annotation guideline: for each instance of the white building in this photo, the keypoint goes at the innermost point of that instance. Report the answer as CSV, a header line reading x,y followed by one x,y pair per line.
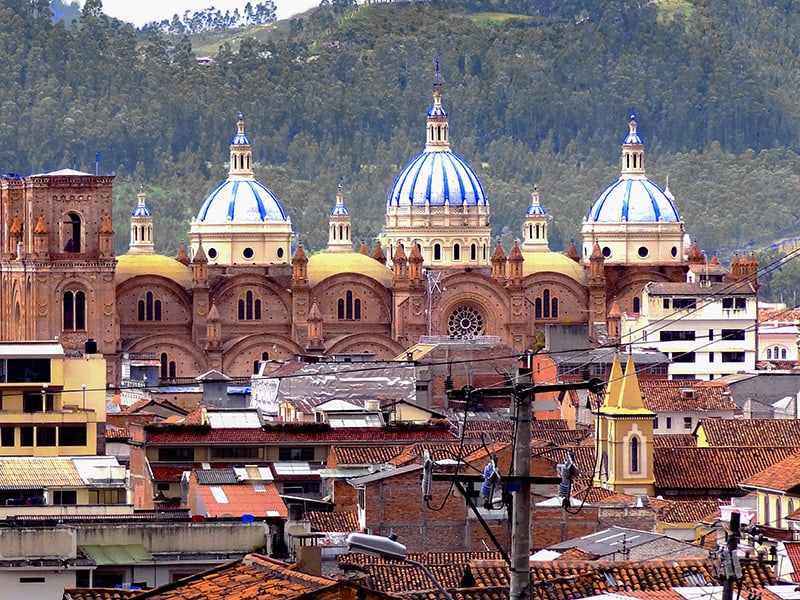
x,y
707,328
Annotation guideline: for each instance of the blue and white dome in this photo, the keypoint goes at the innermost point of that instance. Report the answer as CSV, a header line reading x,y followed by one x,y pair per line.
x,y
632,200
141,210
240,198
437,177
241,201
633,197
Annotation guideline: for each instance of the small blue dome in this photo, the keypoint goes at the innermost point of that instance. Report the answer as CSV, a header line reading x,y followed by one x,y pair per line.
x,y
536,209
141,210
633,199
239,139
437,177
339,210
241,201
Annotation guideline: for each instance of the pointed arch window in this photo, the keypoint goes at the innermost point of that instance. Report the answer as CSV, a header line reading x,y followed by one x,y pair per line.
x,y
349,307
249,307
149,308
546,305
74,310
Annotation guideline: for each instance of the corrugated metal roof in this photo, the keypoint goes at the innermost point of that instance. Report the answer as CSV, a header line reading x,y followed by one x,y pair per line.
x,y
216,476
116,554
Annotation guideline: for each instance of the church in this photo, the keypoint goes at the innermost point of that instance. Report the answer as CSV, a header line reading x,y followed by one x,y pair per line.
x,y
241,292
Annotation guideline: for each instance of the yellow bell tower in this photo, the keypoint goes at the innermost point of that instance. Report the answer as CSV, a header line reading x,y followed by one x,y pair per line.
x,y
625,435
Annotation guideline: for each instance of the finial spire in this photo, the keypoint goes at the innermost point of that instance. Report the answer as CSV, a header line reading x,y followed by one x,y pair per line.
x,y
437,123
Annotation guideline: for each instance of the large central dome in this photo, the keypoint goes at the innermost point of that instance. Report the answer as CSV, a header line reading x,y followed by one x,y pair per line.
x,y
437,177
437,201
241,201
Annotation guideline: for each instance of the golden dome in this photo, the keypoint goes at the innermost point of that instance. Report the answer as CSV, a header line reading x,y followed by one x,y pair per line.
x,y
135,265
325,264
553,262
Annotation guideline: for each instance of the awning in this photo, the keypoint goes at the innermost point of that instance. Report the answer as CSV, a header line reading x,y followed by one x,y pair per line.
x,y
116,554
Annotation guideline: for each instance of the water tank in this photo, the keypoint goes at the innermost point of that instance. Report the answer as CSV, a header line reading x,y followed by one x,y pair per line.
x,y
90,346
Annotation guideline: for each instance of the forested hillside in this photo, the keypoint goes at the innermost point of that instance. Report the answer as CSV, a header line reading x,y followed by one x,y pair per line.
x,y
538,92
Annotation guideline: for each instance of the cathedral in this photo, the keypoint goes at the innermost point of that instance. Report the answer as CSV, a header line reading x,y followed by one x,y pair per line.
x,y
241,292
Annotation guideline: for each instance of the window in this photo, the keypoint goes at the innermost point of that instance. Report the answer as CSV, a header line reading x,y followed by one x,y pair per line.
x,y
437,252
683,357
687,422
635,455
637,304
107,497
32,580
734,303
677,336
7,437
710,335
666,303
234,452
168,367
783,353
26,436
149,308
74,309
62,497
176,454
301,453
71,232
473,252
45,436
72,435
349,307
24,370
456,252
769,353
657,369
734,357
680,303
37,402
655,423
249,307
710,357
669,422
733,334
545,306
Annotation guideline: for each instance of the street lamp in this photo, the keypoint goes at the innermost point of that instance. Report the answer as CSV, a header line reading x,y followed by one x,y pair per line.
x,y
390,549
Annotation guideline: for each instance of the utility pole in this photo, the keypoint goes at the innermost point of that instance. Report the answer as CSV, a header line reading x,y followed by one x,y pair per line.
x,y
730,569
523,392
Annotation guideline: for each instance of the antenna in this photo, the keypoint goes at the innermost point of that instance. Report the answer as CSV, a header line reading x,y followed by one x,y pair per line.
x,y
568,473
427,475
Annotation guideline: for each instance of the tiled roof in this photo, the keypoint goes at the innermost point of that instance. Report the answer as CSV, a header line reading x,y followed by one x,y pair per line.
x,y
117,433
39,472
364,455
439,452
781,316
752,432
678,469
783,476
666,395
333,522
252,577
578,579
289,435
688,511
98,594
674,440
171,472
793,552
259,499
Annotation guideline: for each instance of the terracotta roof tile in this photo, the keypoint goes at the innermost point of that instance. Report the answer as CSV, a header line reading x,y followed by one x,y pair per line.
x,y
21,472
751,432
692,469
793,552
98,594
363,454
439,452
783,476
689,511
333,522
674,440
252,577
667,395
242,436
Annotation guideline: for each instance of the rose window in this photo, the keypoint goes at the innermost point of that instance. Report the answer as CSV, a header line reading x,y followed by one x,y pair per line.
x,y
465,322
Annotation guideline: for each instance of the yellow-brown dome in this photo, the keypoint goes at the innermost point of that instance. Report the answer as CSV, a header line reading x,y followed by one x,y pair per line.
x,y
134,265
553,262
325,264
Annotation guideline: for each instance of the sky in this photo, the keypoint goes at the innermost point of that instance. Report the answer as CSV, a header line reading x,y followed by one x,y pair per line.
x,y
146,11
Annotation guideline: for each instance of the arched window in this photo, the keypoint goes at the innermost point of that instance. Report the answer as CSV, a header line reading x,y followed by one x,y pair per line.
x,y
637,304
635,455
169,368
256,363
249,307
783,353
554,308
473,252
437,252
149,308
74,309
537,305
546,303
769,353
776,353
349,307
72,232
456,252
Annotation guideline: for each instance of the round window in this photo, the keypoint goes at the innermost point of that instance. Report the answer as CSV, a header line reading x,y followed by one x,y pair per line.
x,y
280,252
674,251
606,251
465,322
643,252
248,253
212,253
